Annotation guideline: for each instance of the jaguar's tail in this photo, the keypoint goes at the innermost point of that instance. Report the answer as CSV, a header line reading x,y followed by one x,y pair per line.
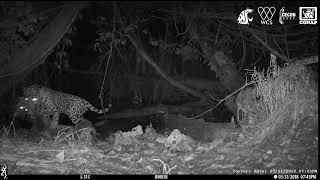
x,y
100,111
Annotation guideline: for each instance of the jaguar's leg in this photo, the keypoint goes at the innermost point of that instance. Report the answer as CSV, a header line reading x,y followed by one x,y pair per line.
x,y
75,119
55,120
33,119
83,124
53,126
46,121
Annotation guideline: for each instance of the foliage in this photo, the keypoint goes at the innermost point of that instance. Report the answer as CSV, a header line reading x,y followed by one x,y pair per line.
x,y
22,27
61,50
74,137
102,43
286,97
189,52
6,130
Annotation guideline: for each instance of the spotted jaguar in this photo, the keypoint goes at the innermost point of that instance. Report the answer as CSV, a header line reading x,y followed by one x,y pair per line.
x,y
48,102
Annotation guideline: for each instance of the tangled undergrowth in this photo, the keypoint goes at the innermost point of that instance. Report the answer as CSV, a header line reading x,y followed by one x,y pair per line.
x,y
285,99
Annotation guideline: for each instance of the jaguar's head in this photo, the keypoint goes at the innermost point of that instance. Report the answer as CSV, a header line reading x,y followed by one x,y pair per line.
x,y
24,105
32,91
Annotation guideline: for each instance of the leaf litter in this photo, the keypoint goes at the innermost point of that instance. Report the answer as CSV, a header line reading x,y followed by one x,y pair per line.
x,y
138,152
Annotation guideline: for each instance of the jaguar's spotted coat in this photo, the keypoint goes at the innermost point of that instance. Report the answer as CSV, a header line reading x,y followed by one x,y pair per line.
x,y
49,102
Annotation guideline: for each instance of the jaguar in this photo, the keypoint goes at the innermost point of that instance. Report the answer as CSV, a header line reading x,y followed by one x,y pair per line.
x,y
49,102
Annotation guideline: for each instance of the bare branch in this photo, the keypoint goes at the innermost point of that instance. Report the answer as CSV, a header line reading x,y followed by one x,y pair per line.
x,y
197,116
217,34
187,29
279,48
286,42
106,69
244,49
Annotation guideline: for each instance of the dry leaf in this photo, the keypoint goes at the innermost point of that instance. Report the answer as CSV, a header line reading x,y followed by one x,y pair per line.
x,y
268,165
60,156
269,152
190,157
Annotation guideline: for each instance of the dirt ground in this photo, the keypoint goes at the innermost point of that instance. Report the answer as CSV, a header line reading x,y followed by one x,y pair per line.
x,y
151,153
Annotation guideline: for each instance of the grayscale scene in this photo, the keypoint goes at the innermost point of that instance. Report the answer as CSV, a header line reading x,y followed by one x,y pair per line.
x,y
160,88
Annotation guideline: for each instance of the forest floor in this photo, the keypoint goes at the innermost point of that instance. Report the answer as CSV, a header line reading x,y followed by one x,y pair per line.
x,y
151,153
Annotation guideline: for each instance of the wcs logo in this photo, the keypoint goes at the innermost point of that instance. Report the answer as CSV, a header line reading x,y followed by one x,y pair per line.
x,y
266,14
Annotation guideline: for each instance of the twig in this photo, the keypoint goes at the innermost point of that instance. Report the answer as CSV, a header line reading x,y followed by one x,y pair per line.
x,y
286,42
254,62
175,22
187,29
279,48
106,69
165,169
217,34
7,130
268,47
213,98
197,116
119,52
176,26
244,49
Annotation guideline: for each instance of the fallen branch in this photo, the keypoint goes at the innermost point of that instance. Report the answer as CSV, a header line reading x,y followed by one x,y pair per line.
x,y
148,111
26,59
163,74
134,40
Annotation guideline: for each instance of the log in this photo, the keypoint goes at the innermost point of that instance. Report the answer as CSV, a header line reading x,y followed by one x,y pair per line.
x,y
158,109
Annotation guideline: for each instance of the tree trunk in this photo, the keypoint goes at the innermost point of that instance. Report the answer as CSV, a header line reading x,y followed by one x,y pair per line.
x,y
224,68
27,58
